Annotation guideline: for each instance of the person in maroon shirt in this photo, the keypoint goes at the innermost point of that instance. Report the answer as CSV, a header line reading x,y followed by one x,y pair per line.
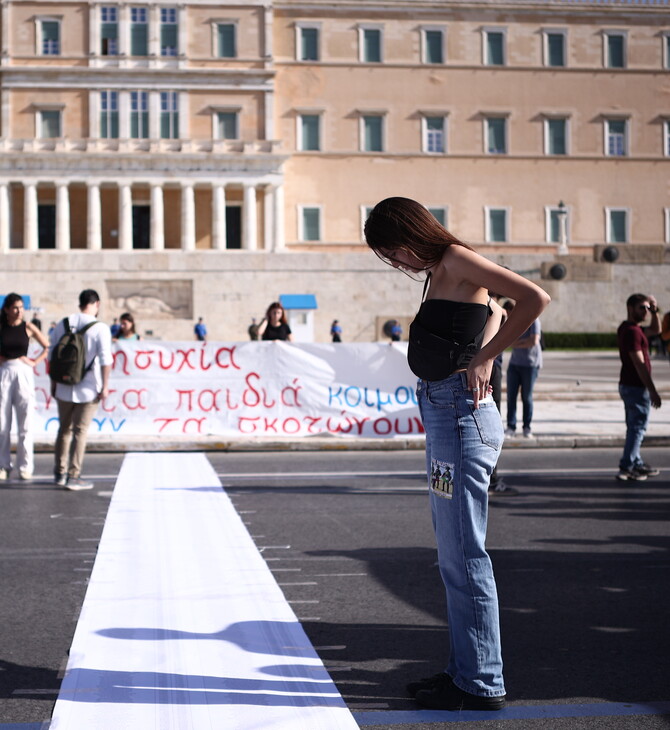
x,y
636,388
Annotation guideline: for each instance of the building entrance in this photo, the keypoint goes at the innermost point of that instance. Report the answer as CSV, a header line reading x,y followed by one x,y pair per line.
x,y
141,226
46,226
233,226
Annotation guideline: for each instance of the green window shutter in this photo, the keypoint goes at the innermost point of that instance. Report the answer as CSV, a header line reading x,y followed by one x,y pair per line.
x,y
310,132
557,140
139,39
373,134
50,126
554,227
556,49
168,39
226,40
497,225
228,125
438,214
311,224
494,49
615,51
434,51
497,144
372,45
309,44
617,226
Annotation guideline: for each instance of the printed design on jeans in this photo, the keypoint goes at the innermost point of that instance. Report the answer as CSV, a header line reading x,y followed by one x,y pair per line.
x,y
442,478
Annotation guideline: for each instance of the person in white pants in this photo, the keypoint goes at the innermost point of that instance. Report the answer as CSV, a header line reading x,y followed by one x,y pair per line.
x,y
17,385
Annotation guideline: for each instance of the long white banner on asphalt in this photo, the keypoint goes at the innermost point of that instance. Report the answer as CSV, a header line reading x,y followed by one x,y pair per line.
x,y
255,389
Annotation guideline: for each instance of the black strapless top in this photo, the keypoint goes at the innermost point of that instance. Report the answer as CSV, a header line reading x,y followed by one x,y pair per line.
x,y
459,321
14,341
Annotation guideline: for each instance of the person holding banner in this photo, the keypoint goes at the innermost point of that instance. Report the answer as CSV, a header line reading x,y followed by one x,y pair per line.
x,y
453,342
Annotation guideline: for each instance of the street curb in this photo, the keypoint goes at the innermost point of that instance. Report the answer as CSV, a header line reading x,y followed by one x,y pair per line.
x,y
104,445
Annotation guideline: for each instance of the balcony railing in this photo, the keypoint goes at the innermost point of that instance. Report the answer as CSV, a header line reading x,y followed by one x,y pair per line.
x,y
185,146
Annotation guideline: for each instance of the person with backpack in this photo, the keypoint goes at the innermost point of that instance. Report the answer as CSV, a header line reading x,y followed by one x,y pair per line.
x,y
17,385
80,362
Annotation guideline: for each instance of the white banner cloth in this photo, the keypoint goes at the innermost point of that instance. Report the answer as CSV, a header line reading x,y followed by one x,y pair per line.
x,y
257,389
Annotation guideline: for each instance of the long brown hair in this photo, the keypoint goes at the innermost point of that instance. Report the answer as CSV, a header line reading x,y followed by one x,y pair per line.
x,y
6,304
402,223
276,305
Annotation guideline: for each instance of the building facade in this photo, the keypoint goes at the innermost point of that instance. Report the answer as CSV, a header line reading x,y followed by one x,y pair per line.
x,y
159,131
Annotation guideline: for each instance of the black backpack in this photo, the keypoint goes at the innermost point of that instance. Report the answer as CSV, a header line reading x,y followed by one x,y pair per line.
x,y
68,359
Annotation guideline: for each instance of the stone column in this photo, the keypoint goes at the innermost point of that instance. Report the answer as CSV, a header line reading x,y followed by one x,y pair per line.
x,y
154,115
154,31
30,238
157,218
62,216
124,114
268,217
250,228
4,217
218,217
278,219
187,217
94,29
93,218
124,30
125,217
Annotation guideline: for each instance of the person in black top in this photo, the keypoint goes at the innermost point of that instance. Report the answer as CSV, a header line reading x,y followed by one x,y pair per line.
x,y
17,384
453,342
274,325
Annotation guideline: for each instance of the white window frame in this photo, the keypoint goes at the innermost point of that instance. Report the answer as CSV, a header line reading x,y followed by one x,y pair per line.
x,y
488,209
132,23
666,49
365,211
626,136
487,117
607,34
362,27
216,110
546,32
608,223
299,27
444,209
424,131
424,44
494,29
174,114
38,119
665,127
177,19
301,223
548,210
39,19
216,22
117,23
666,216
545,124
299,143
361,131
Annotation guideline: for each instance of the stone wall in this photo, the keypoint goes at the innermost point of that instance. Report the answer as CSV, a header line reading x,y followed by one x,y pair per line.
x,y
166,291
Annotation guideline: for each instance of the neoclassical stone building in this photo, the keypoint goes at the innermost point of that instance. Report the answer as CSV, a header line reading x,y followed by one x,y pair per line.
x,y
224,153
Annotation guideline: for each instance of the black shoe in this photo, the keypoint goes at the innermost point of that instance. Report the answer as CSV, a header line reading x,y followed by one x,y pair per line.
x,y
427,683
447,696
648,471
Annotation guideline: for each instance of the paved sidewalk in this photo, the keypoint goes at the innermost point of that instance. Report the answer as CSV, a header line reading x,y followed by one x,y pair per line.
x,y
576,404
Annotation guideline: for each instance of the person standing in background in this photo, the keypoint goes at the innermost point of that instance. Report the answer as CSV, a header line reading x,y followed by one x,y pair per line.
x,y
636,388
522,371
17,385
336,331
200,331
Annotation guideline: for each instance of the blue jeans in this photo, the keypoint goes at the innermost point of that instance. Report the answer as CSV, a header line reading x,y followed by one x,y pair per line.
x,y
638,405
462,448
524,377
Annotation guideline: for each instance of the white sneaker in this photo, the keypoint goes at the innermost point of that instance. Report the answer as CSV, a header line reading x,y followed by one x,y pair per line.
x,y
527,434
76,484
510,432
4,475
25,475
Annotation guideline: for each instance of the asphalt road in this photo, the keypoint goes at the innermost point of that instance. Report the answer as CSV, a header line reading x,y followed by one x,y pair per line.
x,y
581,562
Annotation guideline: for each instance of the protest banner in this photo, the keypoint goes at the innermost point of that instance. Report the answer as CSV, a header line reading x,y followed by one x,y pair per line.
x,y
255,389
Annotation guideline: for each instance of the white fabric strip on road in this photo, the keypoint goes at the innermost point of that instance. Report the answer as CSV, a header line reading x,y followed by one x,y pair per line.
x,y
183,626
